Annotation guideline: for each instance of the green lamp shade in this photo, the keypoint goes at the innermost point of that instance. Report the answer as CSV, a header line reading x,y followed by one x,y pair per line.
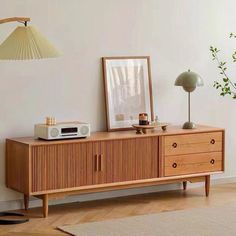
x,y
189,81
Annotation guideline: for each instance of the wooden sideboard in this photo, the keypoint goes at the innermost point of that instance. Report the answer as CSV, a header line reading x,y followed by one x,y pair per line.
x,y
112,160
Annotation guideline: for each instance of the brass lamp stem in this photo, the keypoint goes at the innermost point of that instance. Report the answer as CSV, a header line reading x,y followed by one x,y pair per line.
x,y
189,107
189,124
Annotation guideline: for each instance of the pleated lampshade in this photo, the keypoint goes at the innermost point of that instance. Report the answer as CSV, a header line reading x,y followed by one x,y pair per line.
x,y
26,43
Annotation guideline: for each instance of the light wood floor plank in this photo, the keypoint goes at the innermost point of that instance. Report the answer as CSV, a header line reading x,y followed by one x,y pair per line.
x,y
119,208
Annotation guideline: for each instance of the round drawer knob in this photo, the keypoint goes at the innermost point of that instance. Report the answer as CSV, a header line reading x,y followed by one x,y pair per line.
x,y
213,141
174,165
212,161
174,145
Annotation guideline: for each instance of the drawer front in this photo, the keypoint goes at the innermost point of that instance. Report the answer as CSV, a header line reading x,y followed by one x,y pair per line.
x,y
193,143
193,163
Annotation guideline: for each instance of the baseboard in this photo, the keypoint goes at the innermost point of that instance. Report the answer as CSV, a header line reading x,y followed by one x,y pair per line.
x,y
224,180
18,204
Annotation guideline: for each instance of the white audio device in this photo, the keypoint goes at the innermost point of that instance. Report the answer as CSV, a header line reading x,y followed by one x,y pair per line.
x,y
63,130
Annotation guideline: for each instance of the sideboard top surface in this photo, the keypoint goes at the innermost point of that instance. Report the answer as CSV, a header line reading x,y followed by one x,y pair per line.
x,y
102,136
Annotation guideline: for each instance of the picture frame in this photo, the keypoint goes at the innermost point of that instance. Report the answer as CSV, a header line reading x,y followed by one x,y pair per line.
x,y
128,91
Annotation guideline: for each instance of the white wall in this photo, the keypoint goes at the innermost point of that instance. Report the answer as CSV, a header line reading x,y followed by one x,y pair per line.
x,y
175,33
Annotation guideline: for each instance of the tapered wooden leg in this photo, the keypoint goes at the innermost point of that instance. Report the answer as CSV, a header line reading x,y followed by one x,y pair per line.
x,y
45,205
185,185
207,184
26,202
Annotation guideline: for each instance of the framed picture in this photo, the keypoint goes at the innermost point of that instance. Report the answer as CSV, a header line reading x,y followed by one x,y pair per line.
x,y
128,90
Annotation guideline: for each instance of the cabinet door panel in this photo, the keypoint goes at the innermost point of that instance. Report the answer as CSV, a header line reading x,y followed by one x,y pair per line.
x,y
61,166
122,161
146,158
127,160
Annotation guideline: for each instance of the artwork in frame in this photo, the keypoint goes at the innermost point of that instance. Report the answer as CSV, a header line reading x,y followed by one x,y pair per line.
x,y
128,90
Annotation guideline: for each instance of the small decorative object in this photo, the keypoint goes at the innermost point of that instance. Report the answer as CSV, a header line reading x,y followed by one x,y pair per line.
x,y
142,129
128,90
50,121
143,119
189,81
156,121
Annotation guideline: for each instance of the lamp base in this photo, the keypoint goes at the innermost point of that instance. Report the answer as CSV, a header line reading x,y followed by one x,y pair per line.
x,y
189,125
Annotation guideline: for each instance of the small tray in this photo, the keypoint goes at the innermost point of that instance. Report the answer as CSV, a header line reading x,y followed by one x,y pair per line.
x,y
142,129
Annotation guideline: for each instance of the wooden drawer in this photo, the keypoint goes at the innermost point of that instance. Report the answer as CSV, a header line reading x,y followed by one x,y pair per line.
x,y
193,143
193,163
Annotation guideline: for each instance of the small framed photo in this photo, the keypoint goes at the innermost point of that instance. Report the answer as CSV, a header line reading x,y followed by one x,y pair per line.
x,y
128,90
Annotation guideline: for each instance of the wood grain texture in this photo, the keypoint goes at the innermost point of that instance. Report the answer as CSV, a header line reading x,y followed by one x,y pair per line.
x,y
13,19
26,202
199,179
193,163
62,166
161,157
207,185
223,149
112,161
192,143
117,186
146,158
119,208
17,167
66,166
120,135
45,205
125,160
185,185
126,184
191,159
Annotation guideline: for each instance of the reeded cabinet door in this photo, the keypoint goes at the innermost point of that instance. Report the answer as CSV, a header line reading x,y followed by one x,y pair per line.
x,y
147,158
126,160
61,166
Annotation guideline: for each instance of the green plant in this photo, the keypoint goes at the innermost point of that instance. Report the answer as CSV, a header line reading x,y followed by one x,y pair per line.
x,y
226,86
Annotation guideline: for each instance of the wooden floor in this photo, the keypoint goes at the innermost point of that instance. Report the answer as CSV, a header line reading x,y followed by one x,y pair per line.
x,y
118,208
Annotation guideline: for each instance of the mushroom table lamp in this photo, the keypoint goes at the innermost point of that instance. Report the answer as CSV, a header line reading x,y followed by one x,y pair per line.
x,y
189,81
